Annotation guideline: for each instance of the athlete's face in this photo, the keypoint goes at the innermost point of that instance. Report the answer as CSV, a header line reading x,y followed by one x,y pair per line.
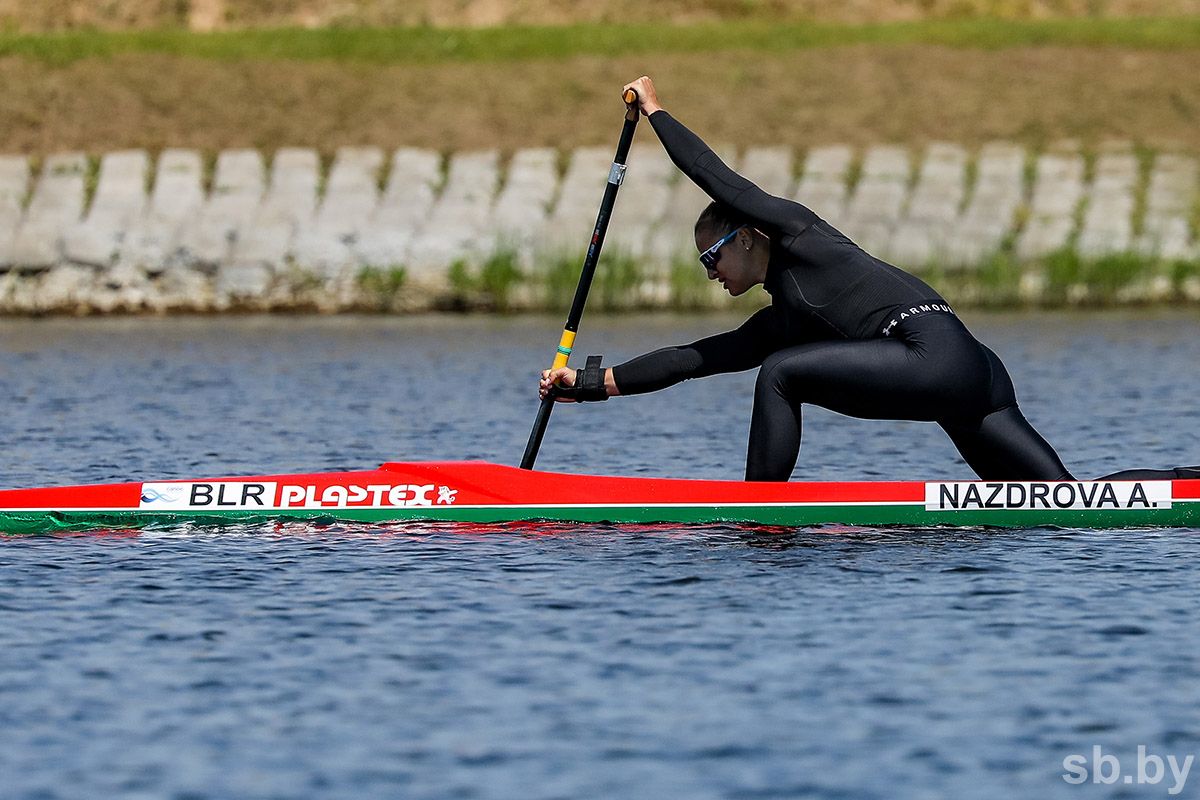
x,y
741,263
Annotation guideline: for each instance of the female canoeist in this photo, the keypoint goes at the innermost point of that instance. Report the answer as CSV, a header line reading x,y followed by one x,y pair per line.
x,y
844,330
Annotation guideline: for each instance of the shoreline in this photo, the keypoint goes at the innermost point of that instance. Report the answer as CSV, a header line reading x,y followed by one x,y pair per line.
x,y
412,230
1031,293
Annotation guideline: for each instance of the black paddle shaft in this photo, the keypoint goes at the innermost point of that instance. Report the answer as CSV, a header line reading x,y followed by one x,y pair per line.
x,y
615,177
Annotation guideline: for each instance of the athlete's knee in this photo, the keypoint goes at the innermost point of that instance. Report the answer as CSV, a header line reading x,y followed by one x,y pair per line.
x,y
777,374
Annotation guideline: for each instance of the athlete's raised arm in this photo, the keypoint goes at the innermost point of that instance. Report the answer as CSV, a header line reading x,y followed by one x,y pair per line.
x,y
696,160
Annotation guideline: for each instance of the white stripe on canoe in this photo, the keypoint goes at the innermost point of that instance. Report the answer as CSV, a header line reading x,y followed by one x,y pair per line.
x,y
777,504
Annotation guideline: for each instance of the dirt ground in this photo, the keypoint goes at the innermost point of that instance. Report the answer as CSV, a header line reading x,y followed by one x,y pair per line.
x,y
857,94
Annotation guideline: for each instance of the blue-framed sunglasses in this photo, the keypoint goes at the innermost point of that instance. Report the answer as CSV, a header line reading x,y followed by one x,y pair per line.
x,y
710,257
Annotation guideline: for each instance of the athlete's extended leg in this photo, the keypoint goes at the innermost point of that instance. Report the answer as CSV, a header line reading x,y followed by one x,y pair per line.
x,y
1005,447
1001,444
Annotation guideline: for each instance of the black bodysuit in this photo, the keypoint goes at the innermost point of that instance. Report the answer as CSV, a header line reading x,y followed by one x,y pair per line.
x,y
845,331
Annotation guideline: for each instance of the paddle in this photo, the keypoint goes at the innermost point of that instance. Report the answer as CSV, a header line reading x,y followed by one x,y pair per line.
x,y
615,177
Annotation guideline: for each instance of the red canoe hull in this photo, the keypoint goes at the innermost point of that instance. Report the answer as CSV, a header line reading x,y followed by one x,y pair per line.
x,y
483,492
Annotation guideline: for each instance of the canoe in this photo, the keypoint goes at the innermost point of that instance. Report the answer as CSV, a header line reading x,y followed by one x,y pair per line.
x,y
483,492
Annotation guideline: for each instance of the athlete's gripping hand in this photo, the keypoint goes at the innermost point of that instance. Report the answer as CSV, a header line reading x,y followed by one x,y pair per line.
x,y
647,97
564,375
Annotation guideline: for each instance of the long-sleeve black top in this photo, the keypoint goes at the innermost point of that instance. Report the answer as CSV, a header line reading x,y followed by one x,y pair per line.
x,y
822,285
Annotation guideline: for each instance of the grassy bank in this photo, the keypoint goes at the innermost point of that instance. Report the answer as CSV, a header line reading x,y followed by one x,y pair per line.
x,y
502,283
45,15
742,83
1062,280
429,45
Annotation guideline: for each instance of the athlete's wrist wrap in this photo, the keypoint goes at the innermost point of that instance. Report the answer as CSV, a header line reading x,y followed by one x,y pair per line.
x,y
589,383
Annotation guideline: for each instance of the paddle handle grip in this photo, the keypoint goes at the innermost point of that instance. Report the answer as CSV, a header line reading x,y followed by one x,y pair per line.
x,y
631,101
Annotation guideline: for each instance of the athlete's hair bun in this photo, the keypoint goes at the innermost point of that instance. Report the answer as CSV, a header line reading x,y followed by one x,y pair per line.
x,y
719,219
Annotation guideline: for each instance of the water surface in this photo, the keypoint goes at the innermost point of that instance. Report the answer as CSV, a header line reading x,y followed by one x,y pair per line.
x,y
545,661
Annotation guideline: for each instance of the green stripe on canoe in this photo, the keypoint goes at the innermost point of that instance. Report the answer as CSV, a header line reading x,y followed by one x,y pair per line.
x,y
1182,515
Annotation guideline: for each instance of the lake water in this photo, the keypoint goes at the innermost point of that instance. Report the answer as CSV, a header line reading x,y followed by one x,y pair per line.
x,y
551,661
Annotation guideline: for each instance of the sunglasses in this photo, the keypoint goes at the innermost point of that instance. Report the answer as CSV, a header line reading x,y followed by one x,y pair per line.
x,y
710,257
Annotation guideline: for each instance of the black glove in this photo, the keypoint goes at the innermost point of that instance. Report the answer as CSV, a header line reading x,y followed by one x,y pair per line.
x,y
589,383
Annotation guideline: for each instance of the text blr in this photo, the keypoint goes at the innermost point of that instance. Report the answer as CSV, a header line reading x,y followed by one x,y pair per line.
x,y
249,495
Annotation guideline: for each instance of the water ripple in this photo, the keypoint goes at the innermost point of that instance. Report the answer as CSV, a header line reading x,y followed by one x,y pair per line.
x,y
545,660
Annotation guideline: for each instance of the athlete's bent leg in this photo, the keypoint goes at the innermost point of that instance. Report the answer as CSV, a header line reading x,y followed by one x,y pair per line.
x,y
874,379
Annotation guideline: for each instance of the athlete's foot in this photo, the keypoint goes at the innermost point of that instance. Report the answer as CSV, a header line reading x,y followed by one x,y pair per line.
x,y
1177,473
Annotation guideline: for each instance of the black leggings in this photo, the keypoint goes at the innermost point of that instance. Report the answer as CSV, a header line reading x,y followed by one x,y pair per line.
x,y
930,369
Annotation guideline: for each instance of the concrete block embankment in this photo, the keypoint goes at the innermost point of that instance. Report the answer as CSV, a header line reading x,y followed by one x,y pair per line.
x,y
414,229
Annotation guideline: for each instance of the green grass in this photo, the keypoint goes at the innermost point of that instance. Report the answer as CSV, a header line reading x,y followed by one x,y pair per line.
x,y
91,179
999,279
489,285
1181,271
690,285
557,278
1145,156
428,45
616,283
302,281
994,282
383,284
498,276
1103,277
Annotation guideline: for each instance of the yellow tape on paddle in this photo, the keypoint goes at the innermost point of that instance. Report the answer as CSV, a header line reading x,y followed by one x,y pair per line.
x,y
564,349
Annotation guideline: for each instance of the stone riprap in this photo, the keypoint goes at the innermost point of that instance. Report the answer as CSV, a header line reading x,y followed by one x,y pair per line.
x,y
574,214
990,216
645,195
877,201
57,206
933,209
1108,214
1171,198
523,205
458,227
674,240
130,232
1058,190
824,185
275,232
324,247
414,178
